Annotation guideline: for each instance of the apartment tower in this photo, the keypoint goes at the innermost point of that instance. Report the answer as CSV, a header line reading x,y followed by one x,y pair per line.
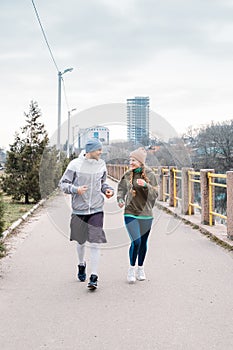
x,y
138,119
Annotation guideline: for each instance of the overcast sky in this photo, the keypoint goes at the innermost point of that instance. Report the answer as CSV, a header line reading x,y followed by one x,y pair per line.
x,y
177,52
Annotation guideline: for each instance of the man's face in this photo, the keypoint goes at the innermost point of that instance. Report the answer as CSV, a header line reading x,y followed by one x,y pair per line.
x,y
95,154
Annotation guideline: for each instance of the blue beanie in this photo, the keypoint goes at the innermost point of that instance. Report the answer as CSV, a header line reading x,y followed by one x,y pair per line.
x,y
93,145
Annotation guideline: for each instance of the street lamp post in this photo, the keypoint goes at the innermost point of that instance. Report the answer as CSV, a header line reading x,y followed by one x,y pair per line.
x,y
59,107
73,132
68,137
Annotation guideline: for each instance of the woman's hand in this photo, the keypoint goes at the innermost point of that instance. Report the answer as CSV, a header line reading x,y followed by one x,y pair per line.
x,y
141,182
121,203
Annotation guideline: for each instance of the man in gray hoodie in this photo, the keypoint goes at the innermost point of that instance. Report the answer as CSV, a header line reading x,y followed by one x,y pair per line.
x,y
84,178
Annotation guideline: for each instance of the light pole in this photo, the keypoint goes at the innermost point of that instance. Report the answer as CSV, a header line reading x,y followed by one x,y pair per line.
x,y
59,107
68,137
73,131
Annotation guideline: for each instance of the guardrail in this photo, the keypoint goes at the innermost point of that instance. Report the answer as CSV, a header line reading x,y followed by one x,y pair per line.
x,y
177,188
177,176
212,185
192,179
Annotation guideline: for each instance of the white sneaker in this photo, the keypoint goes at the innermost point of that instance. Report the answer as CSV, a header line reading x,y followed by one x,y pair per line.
x,y
131,275
141,274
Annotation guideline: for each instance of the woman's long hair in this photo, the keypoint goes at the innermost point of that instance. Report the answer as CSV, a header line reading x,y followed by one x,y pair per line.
x,y
132,190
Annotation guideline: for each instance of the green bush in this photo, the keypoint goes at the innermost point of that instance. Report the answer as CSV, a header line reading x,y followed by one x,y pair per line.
x,y
2,210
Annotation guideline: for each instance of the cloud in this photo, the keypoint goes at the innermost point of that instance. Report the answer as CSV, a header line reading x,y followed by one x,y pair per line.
x,y
178,52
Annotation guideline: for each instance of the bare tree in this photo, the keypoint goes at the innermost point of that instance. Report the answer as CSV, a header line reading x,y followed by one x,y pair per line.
x,y
214,147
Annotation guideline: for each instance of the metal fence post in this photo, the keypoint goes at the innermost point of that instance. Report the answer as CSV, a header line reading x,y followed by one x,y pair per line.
x,y
185,191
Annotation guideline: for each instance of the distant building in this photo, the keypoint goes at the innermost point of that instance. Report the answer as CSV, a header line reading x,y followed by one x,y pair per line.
x,y
2,156
138,109
98,132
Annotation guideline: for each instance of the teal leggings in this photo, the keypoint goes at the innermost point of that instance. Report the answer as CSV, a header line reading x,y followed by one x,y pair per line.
x,y
138,230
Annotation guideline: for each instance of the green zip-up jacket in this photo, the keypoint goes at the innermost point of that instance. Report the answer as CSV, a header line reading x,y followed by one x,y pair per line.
x,y
143,203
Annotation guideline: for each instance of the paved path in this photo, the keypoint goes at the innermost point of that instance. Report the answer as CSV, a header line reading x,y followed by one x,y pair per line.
x,y
185,304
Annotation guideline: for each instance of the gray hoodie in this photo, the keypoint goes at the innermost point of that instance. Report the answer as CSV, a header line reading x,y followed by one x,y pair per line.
x,y
91,172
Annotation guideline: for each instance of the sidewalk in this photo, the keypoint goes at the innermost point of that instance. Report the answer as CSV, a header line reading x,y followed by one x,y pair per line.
x,y
188,288
217,232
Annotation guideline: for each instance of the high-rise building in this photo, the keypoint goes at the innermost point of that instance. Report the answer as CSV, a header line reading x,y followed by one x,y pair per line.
x,y
138,109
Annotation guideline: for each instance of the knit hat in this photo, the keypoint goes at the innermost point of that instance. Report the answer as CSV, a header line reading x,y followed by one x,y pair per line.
x,y
139,154
93,145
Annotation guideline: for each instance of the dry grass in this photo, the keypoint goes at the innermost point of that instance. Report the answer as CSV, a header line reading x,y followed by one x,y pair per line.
x,y
14,210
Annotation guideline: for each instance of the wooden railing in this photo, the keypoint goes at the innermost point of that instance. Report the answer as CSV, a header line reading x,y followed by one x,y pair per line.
x,y
172,181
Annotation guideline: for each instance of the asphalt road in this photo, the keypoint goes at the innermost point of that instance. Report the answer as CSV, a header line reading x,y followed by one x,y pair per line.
x,y
185,304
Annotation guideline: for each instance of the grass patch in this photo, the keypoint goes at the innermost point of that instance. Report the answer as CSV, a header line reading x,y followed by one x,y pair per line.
x,y
2,250
14,210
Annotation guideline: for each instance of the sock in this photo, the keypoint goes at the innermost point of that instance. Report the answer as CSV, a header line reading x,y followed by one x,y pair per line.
x,y
95,255
81,252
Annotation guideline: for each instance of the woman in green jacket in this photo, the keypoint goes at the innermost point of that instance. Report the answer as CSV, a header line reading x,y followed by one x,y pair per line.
x,y
137,192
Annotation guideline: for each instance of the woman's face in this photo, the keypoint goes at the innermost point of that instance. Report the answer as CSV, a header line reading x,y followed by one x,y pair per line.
x,y
134,163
